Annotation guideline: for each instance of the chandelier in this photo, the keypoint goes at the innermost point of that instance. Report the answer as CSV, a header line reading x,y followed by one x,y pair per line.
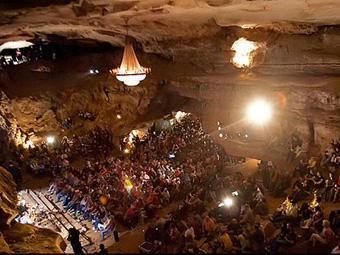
x,y
130,72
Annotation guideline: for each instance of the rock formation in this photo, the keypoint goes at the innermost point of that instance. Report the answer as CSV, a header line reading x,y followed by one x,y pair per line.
x,y
188,46
22,238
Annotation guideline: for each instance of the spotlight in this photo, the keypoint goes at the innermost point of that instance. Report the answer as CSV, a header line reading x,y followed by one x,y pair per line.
x,y
50,139
119,116
219,128
235,193
220,135
96,71
227,202
91,71
259,112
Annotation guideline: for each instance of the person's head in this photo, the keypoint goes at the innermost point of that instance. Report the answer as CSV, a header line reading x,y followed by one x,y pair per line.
x,y
234,221
325,223
101,246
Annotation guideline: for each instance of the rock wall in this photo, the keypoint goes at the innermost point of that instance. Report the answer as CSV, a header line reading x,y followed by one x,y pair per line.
x,y
38,102
188,45
8,198
22,238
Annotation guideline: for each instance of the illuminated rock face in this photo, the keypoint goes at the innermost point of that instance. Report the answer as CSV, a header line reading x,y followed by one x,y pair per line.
x,y
8,208
21,238
188,45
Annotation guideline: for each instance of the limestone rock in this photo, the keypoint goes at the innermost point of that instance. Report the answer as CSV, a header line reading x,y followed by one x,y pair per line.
x,y
25,238
8,198
4,248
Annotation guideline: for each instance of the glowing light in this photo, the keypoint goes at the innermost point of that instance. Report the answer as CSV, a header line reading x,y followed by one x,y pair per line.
x,y
50,139
243,52
119,116
130,72
15,45
180,115
91,71
126,151
259,112
228,202
220,135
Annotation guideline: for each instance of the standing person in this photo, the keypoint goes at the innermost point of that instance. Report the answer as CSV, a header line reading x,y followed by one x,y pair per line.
x,y
73,237
102,249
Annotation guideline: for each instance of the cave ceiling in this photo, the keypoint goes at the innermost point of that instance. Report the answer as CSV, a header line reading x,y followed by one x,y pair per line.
x,y
187,43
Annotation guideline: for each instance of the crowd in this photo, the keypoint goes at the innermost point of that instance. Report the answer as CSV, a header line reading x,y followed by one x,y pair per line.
x,y
217,208
130,189
331,158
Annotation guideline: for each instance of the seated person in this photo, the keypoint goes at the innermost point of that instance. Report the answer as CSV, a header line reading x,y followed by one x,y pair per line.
x,y
234,227
208,224
318,181
309,177
281,210
247,215
300,190
258,238
226,242
287,235
329,190
327,235
315,220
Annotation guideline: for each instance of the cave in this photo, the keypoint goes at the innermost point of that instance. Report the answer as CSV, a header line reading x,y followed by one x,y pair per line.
x,y
169,126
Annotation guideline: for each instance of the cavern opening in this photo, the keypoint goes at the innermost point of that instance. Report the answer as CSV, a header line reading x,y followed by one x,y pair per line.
x,y
180,126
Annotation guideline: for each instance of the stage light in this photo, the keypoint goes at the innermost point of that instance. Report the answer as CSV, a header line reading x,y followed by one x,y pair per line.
x,y
219,128
259,112
243,52
96,71
228,202
235,193
91,71
119,116
220,135
50,139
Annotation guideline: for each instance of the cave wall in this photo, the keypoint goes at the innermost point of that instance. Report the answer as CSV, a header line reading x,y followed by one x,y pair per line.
x,y
298,73
38,101
22,238
187,44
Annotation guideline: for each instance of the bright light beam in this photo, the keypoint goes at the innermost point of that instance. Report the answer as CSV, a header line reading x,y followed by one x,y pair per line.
x,y
50,139
259,112
228,202
243,52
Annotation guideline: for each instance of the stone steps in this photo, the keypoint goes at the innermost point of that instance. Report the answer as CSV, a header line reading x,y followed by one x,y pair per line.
x,y
66,218
62,221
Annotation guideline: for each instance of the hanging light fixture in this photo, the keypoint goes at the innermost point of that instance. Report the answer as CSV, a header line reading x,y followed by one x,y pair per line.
x,y
130,72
